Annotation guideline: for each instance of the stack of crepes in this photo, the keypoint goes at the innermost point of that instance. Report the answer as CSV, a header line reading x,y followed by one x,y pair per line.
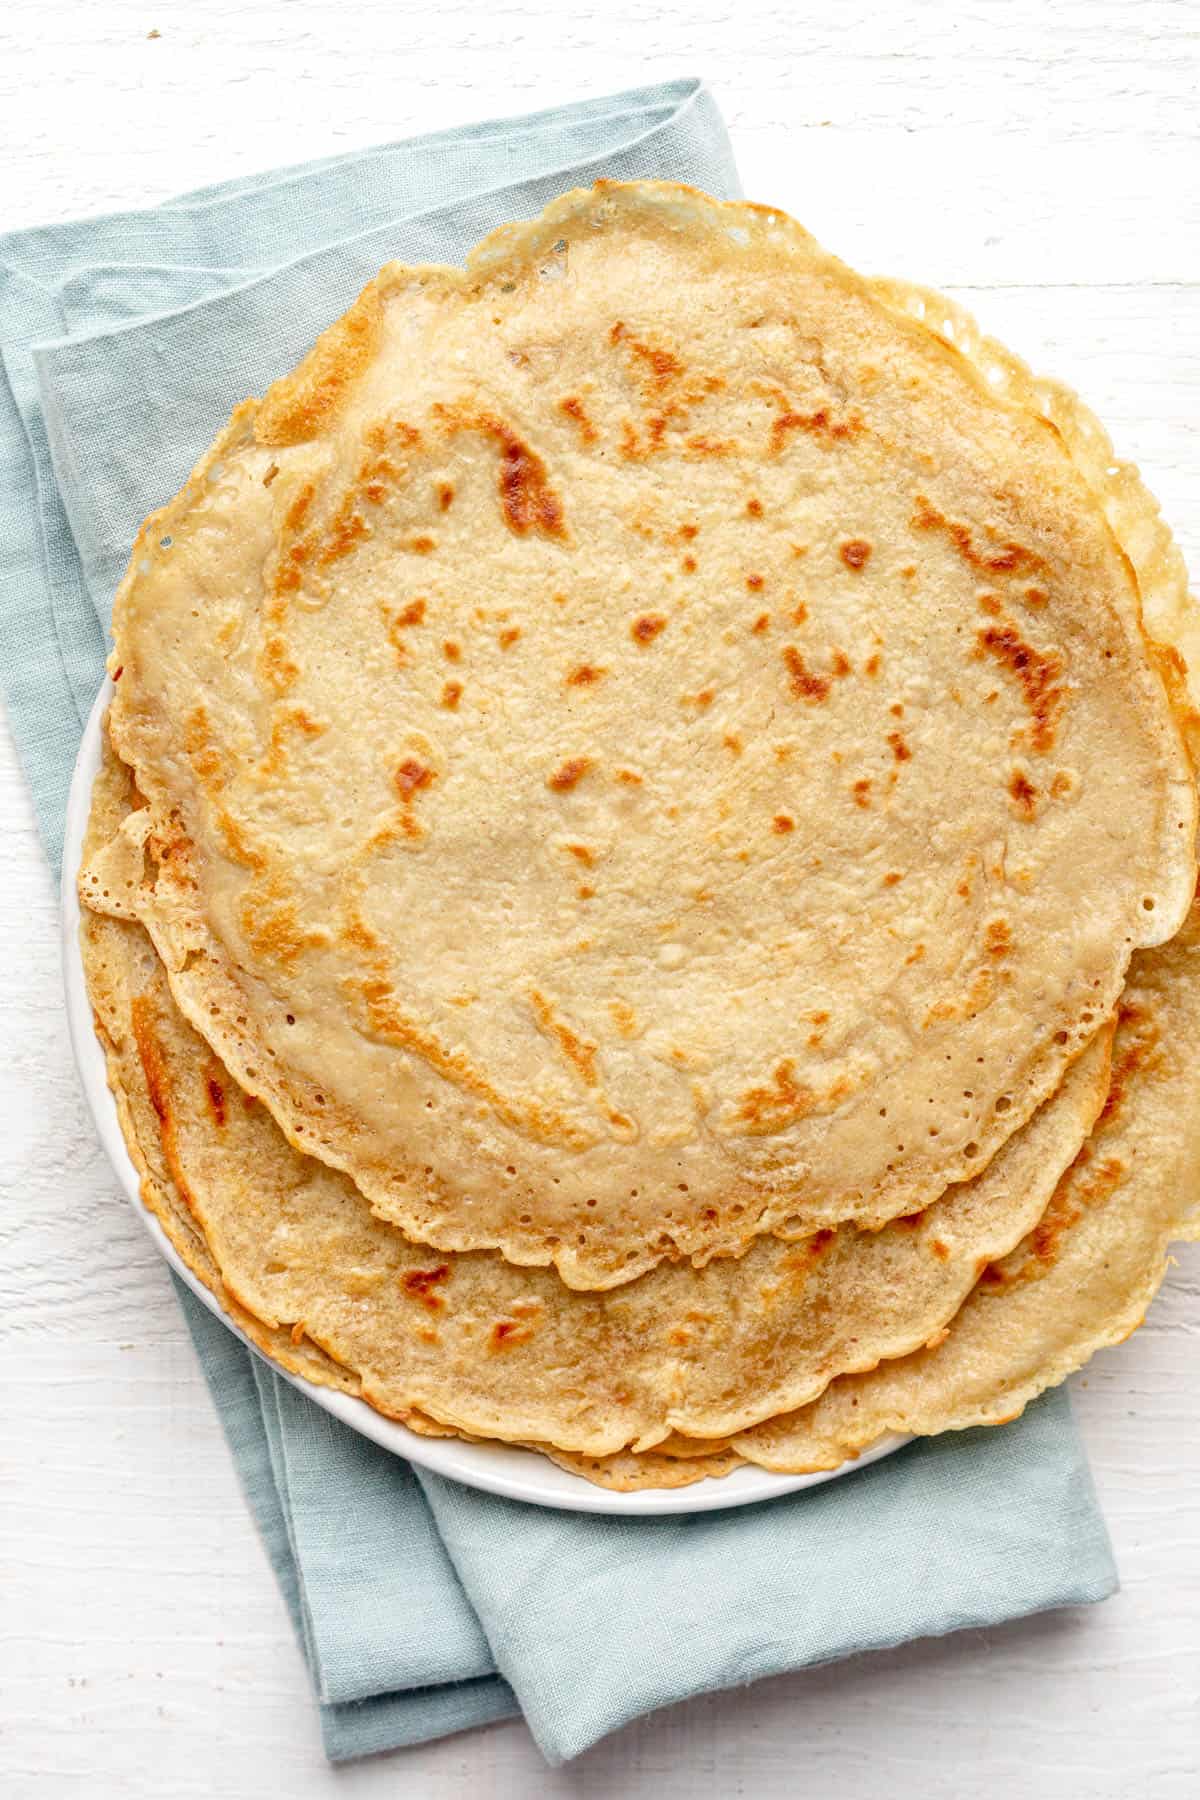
x,y
639,901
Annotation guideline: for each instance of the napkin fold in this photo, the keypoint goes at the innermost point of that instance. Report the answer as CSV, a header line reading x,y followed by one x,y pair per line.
x,y
394,1650
423,1607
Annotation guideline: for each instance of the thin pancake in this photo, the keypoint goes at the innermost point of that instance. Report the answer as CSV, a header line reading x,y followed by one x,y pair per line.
x,y
676,1463
623,722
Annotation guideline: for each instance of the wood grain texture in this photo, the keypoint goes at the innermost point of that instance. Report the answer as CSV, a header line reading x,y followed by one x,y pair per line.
x,y
1040,162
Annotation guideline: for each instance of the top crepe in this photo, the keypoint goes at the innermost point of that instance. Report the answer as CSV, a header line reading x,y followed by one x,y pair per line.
x,y
643,746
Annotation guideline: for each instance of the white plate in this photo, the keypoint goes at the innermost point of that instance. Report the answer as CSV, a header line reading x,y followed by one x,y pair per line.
x,y
497,1468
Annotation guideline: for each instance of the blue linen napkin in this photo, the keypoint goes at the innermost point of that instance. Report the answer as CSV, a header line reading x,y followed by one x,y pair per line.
x,y
420,1606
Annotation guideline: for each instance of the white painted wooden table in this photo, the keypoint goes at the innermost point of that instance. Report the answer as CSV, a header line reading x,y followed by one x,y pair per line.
x,y
1041,160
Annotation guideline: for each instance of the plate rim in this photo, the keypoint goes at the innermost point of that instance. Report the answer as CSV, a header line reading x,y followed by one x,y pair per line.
x,y
506,1470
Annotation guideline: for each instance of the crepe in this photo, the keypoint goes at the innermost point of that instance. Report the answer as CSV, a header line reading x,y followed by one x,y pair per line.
x,y
628,1471
1081,1280
646,745
493,1349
